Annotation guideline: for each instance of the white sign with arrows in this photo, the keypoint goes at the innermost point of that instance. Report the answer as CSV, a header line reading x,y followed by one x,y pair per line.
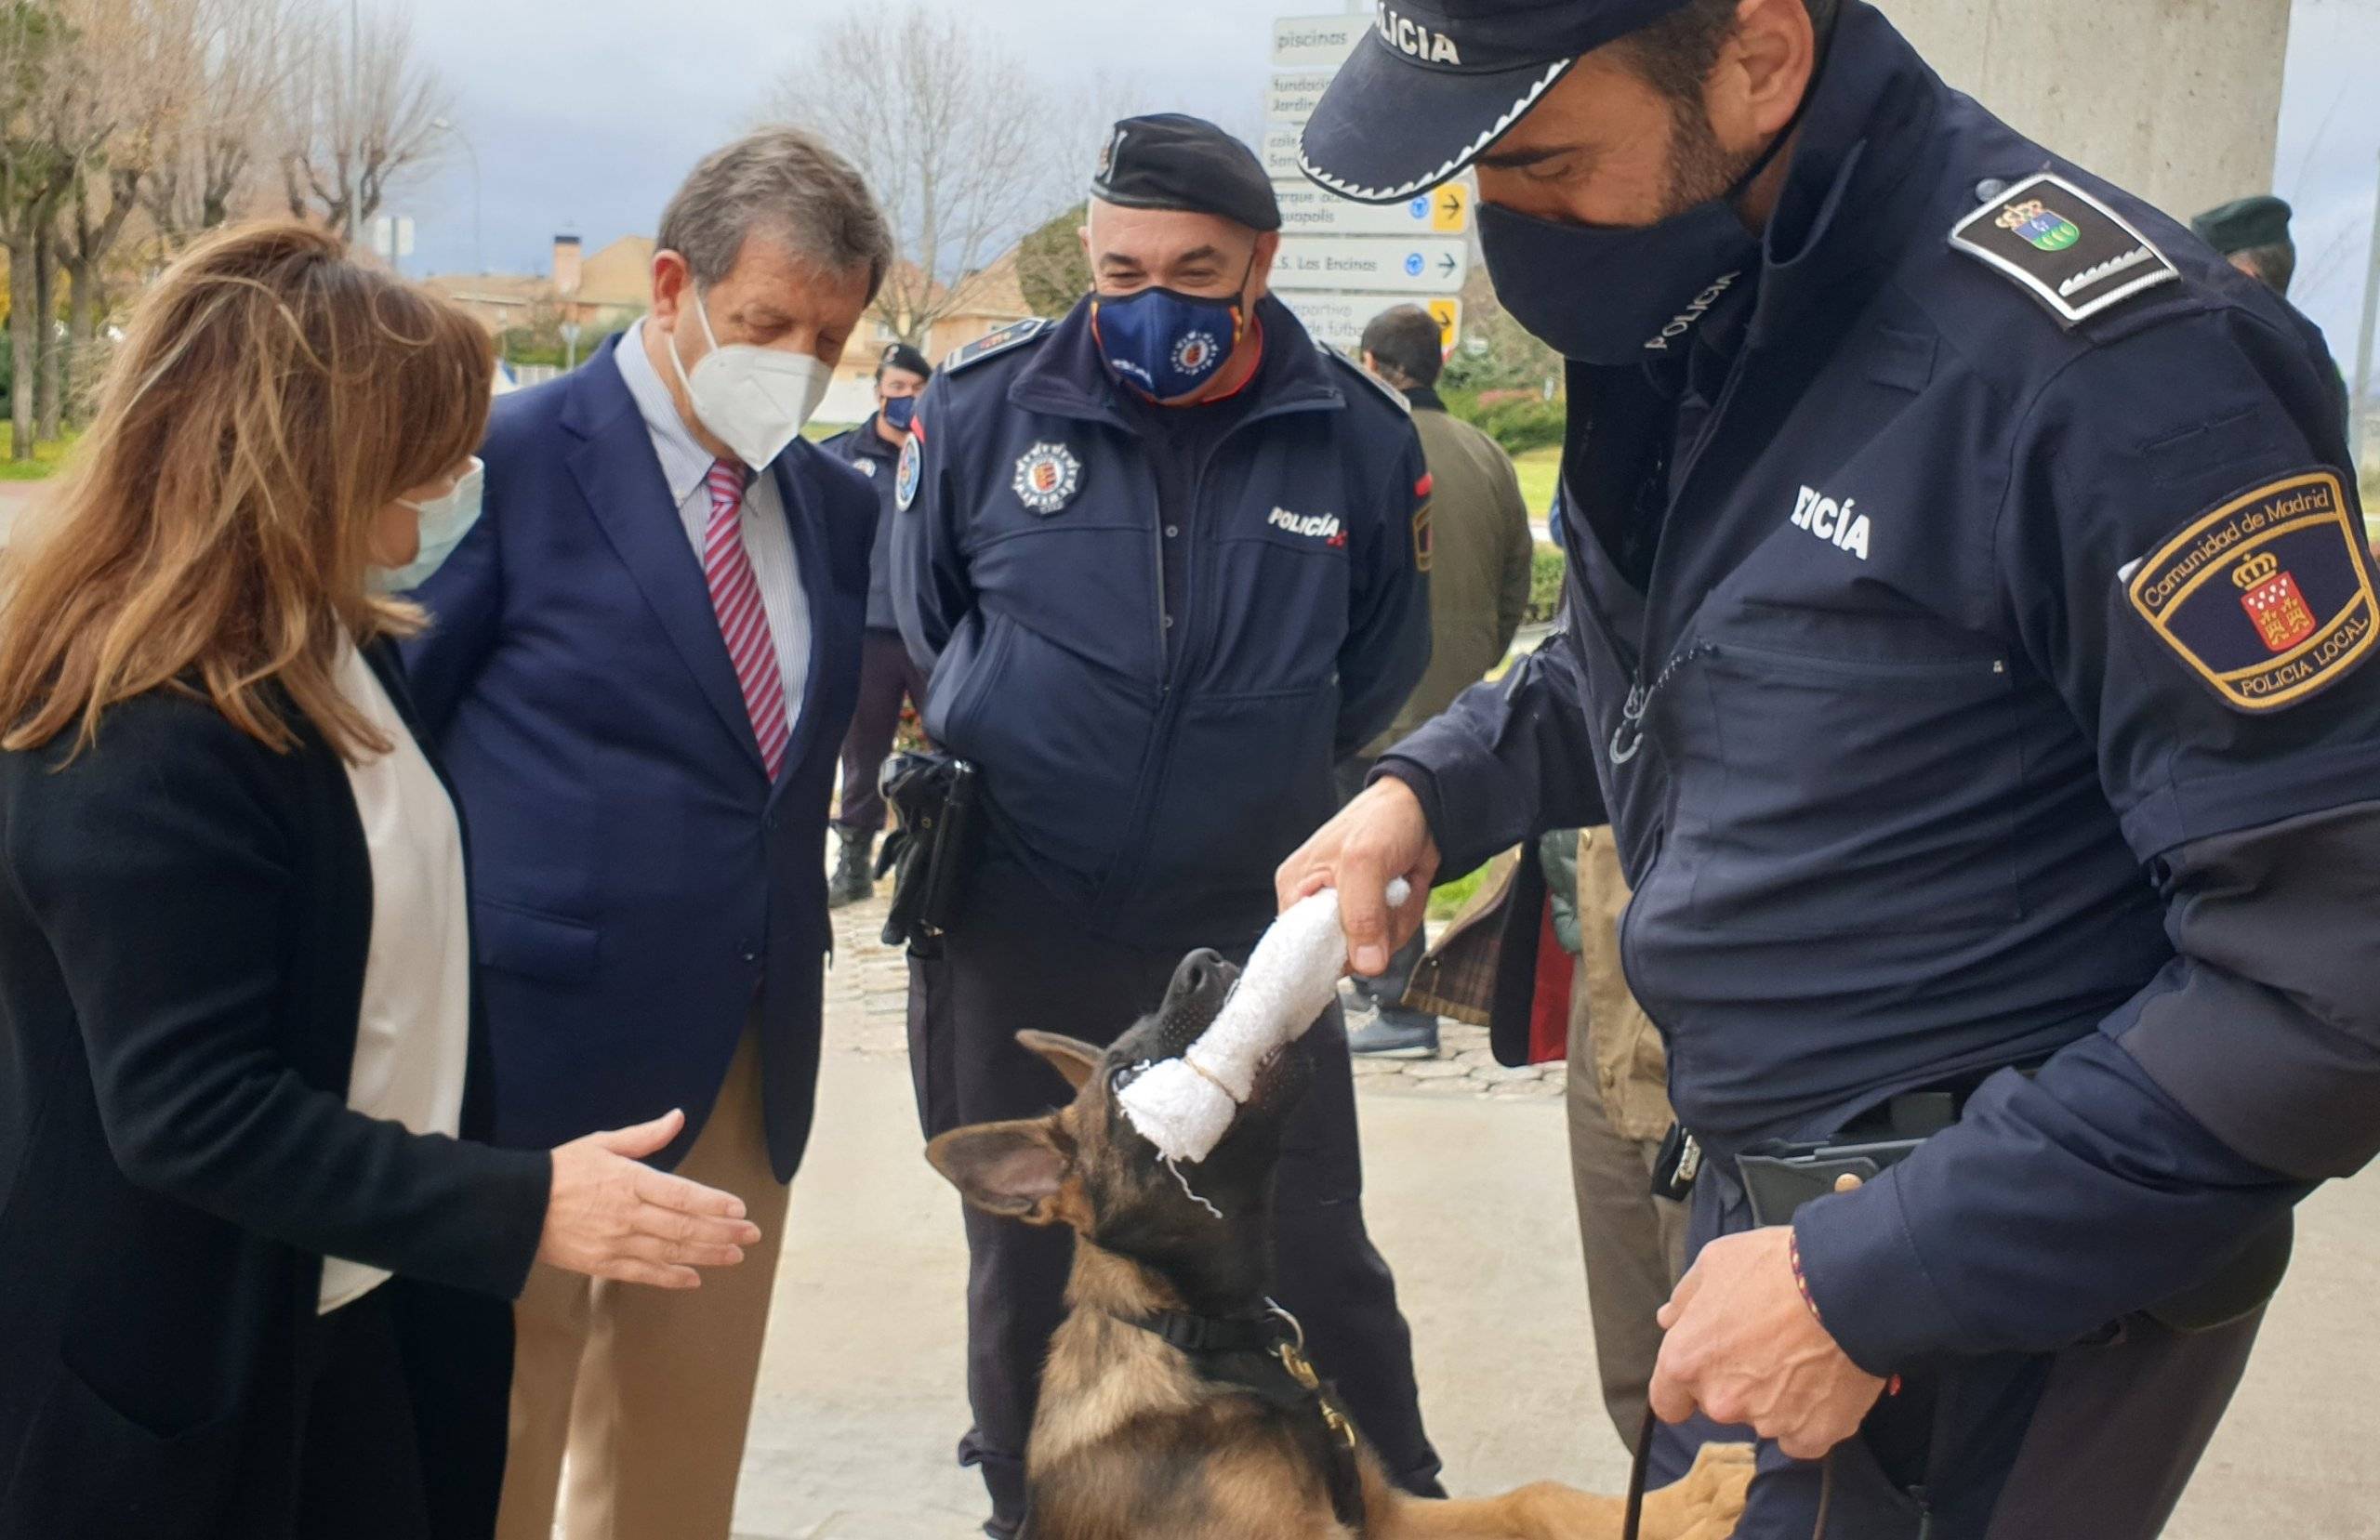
x,y
1292,99
1339,319
1307,209
1372,264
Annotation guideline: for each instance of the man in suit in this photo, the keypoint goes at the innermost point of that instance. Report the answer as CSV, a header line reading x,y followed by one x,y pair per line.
x,y
639,669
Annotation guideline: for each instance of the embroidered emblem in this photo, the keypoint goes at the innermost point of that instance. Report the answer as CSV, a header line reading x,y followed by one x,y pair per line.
x,y
867,468
2267,597
1046,478
1324,527
1195,352
904,480
1424,541
2067,249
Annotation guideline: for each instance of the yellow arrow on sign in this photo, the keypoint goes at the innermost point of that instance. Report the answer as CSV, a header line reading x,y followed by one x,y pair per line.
x,y
1447,313
1450,208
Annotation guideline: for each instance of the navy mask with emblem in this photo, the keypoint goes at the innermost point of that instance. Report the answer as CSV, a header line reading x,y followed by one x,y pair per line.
x,y
1164,343
897,412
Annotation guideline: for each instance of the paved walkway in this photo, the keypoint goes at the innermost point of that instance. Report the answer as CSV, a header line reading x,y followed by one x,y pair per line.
x,y
860,1399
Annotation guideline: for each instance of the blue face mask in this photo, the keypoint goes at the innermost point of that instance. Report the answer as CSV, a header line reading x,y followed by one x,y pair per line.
x,y
897,412
1163,343
444,521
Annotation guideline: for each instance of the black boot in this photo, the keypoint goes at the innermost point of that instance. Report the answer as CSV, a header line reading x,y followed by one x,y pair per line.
x,y
853,880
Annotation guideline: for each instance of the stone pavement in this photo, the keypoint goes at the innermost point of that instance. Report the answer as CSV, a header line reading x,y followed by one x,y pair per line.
x,y
860,1399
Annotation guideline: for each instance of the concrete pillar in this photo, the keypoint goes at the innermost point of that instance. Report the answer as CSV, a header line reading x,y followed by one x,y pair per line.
x,y
2176,101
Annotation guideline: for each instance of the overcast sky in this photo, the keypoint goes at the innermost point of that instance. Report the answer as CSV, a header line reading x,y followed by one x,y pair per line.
x,y
585,112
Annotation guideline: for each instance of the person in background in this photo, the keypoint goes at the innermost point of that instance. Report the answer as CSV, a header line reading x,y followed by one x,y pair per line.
x,y
1479,575
1618,1100
642,662
887,673
255,1283
2253,235
1164,558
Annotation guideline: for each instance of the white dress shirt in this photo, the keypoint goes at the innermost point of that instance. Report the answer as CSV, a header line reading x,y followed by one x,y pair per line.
x,y
413,1035
768,538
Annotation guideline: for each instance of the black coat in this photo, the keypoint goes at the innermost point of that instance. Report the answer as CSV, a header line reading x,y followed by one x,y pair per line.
x,y
184,918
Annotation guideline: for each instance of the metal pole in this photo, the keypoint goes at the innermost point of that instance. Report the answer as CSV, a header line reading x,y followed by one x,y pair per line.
x,y
2361,399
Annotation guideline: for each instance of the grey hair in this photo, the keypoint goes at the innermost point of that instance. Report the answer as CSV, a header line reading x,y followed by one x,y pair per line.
x,y
789,184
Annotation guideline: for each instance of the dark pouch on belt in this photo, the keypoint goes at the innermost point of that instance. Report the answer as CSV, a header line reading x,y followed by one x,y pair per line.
x,y
936,799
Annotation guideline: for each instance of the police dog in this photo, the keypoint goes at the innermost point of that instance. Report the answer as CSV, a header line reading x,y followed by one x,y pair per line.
x,y
1172,1407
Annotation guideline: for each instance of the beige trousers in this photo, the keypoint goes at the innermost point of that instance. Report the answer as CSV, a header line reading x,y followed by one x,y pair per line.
x,y
648,1390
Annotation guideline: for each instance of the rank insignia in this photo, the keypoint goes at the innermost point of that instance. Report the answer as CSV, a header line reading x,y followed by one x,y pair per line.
x,y
2067,249
904,480
2267,598
1047,477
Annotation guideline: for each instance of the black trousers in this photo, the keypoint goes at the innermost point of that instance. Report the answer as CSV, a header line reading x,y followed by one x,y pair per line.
x,y
1003,973
2093,1442
887,674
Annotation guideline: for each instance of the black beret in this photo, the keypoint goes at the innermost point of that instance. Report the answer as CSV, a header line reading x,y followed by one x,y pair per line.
x,y
1170,160
901,356
2242,223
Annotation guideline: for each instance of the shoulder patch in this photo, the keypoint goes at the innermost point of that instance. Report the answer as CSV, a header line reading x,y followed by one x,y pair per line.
x,y
906,479
2267,597
2064,247
1392,392
1014,335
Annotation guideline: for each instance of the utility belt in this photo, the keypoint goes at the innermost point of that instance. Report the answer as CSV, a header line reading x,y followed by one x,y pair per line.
x,y
938,800
1778,1176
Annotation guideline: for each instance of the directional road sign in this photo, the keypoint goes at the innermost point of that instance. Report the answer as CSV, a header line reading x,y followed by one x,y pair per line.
x,y
1434,265
1318,42
1338,318
1292,97
1307,209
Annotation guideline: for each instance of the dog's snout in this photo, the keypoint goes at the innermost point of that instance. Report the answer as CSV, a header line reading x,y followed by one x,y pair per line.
x,y
1202,979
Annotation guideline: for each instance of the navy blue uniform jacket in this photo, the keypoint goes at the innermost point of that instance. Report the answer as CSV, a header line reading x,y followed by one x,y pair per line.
x,y
2004,699
636,878
864,451
1153,779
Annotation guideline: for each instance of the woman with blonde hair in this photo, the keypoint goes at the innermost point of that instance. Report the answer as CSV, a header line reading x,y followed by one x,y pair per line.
x,y
255,1271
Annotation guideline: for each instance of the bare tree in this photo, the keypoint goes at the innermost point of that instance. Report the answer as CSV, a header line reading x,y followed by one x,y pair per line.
x,y
240,51
359,115
964,147
35,74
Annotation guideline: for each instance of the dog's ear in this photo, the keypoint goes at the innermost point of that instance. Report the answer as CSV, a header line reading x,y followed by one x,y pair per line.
x,y
1076,1060
1017,1170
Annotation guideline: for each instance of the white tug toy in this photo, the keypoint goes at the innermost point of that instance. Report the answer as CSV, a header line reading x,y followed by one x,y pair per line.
x,y
1184,1106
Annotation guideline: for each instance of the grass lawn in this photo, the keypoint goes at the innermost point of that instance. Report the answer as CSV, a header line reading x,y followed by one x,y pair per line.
x,y
1449,897
41,467
1538,468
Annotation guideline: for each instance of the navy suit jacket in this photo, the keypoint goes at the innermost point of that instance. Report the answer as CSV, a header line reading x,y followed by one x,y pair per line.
x,y
637,880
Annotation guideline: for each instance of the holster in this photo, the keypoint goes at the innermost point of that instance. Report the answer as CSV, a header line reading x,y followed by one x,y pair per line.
x,y
937,801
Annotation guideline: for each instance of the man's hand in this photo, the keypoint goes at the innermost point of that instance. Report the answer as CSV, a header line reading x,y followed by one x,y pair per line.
x,y
1379,836
1747,1350
610,1217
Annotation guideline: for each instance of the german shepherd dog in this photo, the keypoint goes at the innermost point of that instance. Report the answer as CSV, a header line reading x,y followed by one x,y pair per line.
x,y
1176,1403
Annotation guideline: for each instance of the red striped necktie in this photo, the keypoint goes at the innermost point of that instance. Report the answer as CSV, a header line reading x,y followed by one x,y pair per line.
x,y
742,617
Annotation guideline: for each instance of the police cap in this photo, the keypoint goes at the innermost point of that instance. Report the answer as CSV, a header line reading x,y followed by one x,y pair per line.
x,y
2244,223
1437,82
900,355
1170,160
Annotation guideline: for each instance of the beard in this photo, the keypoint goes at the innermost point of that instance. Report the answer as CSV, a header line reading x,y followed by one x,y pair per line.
x,y
1701,169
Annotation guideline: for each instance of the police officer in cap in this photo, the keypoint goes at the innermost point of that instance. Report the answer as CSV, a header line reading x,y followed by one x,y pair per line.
x,y
1970,643
2253,235
1164,558
887,674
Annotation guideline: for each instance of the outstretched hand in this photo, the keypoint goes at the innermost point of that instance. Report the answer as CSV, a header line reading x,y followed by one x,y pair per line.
x,y
1380,836
611,1217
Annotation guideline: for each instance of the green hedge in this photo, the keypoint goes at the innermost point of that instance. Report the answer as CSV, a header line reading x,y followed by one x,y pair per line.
x,y
1520,425
1545,571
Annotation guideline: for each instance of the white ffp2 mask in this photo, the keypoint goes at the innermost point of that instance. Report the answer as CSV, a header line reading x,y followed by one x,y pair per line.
x,y
753,399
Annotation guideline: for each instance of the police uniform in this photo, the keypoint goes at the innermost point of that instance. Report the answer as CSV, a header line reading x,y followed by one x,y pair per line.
x,y
888,675
1154,630
1969,642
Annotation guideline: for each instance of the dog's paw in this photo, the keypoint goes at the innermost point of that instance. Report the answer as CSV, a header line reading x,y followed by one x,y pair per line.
x,y
1706,1502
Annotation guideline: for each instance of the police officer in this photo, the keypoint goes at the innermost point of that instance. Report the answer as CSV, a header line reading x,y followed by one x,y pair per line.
x,y
2251,235
1164,558
1970,644
887,673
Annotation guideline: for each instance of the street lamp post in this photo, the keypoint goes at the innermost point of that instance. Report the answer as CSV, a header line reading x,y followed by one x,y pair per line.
x,y
447,125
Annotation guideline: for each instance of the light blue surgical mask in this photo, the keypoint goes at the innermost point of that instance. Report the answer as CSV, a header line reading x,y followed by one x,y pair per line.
x,y
444,521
